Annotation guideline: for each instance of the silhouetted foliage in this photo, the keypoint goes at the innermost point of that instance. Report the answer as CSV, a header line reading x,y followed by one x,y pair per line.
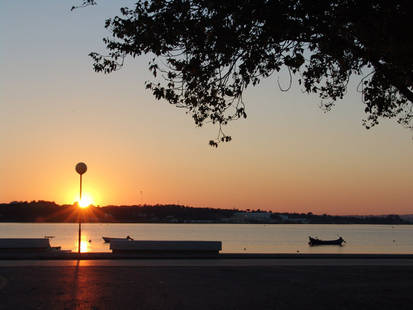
x,y
209,51
44,211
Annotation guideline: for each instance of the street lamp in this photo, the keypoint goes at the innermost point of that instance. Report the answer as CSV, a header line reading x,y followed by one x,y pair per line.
x,y
81,168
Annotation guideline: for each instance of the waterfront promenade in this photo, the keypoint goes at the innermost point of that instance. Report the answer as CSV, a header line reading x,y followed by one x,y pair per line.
x,y
379,283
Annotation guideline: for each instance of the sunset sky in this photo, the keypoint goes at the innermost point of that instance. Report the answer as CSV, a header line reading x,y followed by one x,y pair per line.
x,y
287,156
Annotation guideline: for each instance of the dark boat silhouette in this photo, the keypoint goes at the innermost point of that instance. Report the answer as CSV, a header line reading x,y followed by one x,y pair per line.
x,y
109,239
316,241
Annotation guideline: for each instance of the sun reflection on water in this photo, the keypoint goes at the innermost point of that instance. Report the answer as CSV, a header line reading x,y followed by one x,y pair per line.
x,y
84,246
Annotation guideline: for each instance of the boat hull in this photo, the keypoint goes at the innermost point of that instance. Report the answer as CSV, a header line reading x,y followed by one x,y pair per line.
x,y
110,239
316,241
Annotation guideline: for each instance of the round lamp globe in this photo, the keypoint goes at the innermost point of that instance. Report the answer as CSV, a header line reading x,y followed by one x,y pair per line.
x,y
81,168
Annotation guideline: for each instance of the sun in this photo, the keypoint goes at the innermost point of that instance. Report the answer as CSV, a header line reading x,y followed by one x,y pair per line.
x,y
86,201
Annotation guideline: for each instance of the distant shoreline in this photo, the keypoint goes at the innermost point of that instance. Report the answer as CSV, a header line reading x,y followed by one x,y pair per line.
x,y
50,212
201,223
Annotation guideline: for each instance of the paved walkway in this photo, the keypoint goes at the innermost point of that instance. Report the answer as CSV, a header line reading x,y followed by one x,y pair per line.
x,y
207,287
214,262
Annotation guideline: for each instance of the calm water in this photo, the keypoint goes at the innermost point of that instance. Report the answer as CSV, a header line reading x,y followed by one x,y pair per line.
x,y
236,238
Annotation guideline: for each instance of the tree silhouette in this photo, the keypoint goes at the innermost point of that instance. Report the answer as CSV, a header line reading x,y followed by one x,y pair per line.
x,y
208,52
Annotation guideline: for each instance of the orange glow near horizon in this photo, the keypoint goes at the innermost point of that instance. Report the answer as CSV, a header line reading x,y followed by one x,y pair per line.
x,y
86,201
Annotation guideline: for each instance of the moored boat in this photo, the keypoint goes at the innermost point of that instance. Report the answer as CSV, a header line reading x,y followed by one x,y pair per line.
x,y
316,241
109,239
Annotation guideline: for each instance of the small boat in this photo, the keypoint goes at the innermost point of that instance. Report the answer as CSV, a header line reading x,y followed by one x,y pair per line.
x,y
109,239
316,241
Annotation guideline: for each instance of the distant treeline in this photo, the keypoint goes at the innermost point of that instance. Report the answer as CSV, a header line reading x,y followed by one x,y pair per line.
x,y
310,218
45,211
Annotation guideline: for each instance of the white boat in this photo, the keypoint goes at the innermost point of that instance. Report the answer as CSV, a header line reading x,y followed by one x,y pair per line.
x,y
109,239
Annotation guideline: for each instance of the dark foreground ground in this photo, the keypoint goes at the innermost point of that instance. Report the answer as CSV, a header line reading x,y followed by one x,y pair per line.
x,y
206,287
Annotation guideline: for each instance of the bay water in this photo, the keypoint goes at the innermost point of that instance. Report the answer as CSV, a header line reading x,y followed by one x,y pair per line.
x,y
236,238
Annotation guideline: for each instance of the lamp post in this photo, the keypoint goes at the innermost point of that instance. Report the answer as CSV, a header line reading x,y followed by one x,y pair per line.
x,y
81,168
